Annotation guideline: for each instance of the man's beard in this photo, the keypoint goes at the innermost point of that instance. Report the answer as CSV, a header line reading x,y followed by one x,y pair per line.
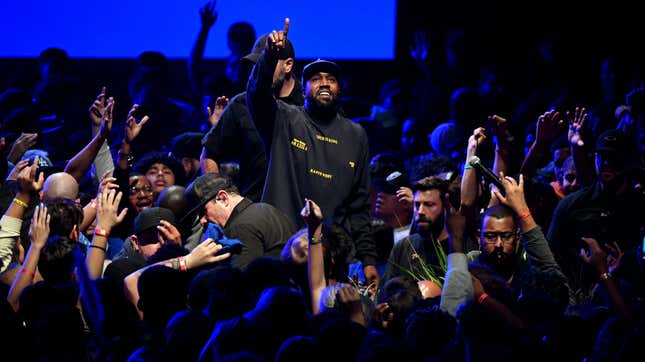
x,y
501,262
432,229
322,110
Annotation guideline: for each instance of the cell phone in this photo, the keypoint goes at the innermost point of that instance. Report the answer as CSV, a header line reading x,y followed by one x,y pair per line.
x,y
643,249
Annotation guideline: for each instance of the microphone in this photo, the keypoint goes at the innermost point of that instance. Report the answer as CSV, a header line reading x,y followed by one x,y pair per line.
x,y
475,162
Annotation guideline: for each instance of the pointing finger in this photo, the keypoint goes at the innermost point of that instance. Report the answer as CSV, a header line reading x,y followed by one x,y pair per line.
x,y
287,23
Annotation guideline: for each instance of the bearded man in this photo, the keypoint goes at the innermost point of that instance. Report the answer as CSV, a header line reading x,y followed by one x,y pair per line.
x,y
314,151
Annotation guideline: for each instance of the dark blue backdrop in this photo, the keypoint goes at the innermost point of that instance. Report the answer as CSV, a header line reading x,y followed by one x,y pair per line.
x,y
335,29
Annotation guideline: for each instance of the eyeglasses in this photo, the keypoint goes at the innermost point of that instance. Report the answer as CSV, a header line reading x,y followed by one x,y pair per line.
x,y
491,237
135,190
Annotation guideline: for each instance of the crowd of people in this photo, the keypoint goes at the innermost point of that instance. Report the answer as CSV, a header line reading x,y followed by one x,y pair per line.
x,y
265,218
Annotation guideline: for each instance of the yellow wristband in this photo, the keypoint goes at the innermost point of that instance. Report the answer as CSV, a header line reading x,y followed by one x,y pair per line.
x,y
20,203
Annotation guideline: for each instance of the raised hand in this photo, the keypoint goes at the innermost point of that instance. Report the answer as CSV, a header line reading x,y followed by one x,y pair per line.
x,y
614,257
348,296
97,109
208,14
548,127
27,181
106,211
107,183
420,48
405,196
576,122
132,126
205,253
39,228
455,225
220,104
277,40
21,145
106,119
500,127
514,194
312,214
594,255
13,175
476,139
168,233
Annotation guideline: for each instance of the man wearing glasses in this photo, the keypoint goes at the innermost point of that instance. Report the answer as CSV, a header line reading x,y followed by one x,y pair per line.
x,y
499,241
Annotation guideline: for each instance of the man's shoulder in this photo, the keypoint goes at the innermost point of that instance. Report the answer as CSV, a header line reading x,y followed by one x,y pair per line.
x,y
576,198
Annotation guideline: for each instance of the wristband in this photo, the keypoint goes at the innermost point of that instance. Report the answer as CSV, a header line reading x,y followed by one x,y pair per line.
x,y
31,273
93,203
525,214
182,264
20,203
605,276
101,232
482,298
98,247
467,166
314,241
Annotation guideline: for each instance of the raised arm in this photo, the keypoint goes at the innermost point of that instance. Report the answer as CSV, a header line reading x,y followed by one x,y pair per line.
x,y
24,142
12,220
419,52
598,258
548,127
203,254
502,144
457,287
89,211
208,161
132,130
259,93
103,161
537,248
38,234
80,164
208,16
469,184
584,165
107,219
312,215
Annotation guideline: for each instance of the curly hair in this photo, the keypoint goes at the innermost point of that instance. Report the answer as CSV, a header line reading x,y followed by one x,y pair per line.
x,y
143,165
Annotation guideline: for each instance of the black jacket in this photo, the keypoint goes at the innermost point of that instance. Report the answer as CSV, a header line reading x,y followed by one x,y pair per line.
x,y
262,229
325,162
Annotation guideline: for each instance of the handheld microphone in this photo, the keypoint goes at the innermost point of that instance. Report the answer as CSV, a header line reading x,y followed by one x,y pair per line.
x,y
475,162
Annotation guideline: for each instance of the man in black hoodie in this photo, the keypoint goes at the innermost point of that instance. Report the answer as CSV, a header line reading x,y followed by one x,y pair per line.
x,y
314,151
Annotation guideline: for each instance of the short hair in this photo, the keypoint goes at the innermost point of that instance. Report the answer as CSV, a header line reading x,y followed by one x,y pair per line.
x,y
499,212
431,183
187,144
173,164
243,33
56,263
65,214
152,60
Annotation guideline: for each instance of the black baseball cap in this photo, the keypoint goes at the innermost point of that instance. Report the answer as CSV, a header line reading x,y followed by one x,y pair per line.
x,y
204,189
320,65
613,141
151,217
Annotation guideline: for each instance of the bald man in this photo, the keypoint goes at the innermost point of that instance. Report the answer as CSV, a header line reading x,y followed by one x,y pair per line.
x,y
59,185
